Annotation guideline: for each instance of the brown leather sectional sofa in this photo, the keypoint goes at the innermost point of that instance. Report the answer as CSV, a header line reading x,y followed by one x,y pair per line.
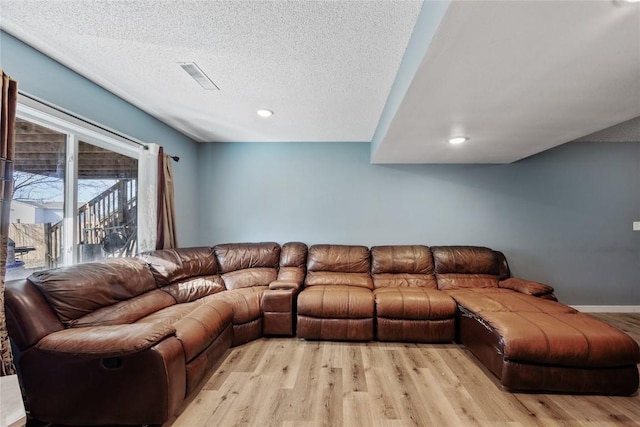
x,y
125,341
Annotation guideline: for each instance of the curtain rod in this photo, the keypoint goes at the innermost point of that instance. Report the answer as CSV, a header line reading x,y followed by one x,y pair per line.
x,y
89,122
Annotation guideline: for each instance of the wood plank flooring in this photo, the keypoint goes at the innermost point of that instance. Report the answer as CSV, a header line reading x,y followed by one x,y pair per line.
x,y
290,382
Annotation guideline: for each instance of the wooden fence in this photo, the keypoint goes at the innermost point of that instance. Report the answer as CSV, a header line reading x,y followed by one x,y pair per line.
x,y
35,236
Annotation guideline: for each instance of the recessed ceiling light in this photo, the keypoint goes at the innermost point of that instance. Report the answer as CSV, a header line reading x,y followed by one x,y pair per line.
x,y
457,140
264,113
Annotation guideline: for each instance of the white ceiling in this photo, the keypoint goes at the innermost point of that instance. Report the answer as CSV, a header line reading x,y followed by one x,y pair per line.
x,y
517,77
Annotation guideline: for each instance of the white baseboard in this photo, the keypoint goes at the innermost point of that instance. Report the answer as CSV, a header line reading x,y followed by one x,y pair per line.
x,y
608,308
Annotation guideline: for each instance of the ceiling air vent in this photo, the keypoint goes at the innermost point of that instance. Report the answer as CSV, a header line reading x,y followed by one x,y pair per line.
x,y
198,75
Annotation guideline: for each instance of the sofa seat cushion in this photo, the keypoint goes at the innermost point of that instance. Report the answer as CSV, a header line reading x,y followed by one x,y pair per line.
x,y
127,311
414,315
336,302
414,303
197,324
202,326
170,315
291,274
496,300
563,339
246,303
328,278
248,277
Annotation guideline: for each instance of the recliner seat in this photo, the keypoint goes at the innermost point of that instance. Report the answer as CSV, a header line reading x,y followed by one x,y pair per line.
x,y
409,307
337,302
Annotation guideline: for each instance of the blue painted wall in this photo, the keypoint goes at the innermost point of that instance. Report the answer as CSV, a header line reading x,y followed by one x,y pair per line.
x,y
562,217
41,76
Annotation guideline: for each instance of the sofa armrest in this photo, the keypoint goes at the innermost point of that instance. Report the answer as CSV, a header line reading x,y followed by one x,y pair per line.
x,y
284,285
526,286
105,341
141,388
279,306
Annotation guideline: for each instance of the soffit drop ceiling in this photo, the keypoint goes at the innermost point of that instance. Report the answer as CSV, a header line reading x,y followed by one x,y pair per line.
x,y
517,77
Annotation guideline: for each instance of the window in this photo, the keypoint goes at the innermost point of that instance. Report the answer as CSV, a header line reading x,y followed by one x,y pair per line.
x,y
107,203
75,192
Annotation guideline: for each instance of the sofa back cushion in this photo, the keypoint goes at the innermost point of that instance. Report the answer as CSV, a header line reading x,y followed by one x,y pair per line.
x,y
402,266
185,274
505,271
460,281
239,256
248,264
293,262
465,267
172,265
79,290
338,265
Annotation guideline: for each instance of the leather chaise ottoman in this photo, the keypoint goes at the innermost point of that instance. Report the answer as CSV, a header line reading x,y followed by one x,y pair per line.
x,y
560,352
534,344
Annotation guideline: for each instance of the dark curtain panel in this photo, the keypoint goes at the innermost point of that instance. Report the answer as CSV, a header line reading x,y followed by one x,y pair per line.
x,y
7,149
166,237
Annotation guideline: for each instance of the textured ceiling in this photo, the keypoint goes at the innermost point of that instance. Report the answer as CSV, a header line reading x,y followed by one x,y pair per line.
x,y
324,68
517,77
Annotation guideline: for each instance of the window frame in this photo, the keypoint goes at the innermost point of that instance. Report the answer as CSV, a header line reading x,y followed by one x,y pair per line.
x,y
76,129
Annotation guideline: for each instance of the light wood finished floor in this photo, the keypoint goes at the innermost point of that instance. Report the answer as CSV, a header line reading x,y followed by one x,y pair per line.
x,y
291,382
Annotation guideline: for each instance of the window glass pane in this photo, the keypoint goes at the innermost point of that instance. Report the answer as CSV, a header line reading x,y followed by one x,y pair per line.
x,y
37,206
107,214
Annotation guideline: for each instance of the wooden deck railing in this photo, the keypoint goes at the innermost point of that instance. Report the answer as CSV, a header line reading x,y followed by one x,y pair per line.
x,y
53,236
112,211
